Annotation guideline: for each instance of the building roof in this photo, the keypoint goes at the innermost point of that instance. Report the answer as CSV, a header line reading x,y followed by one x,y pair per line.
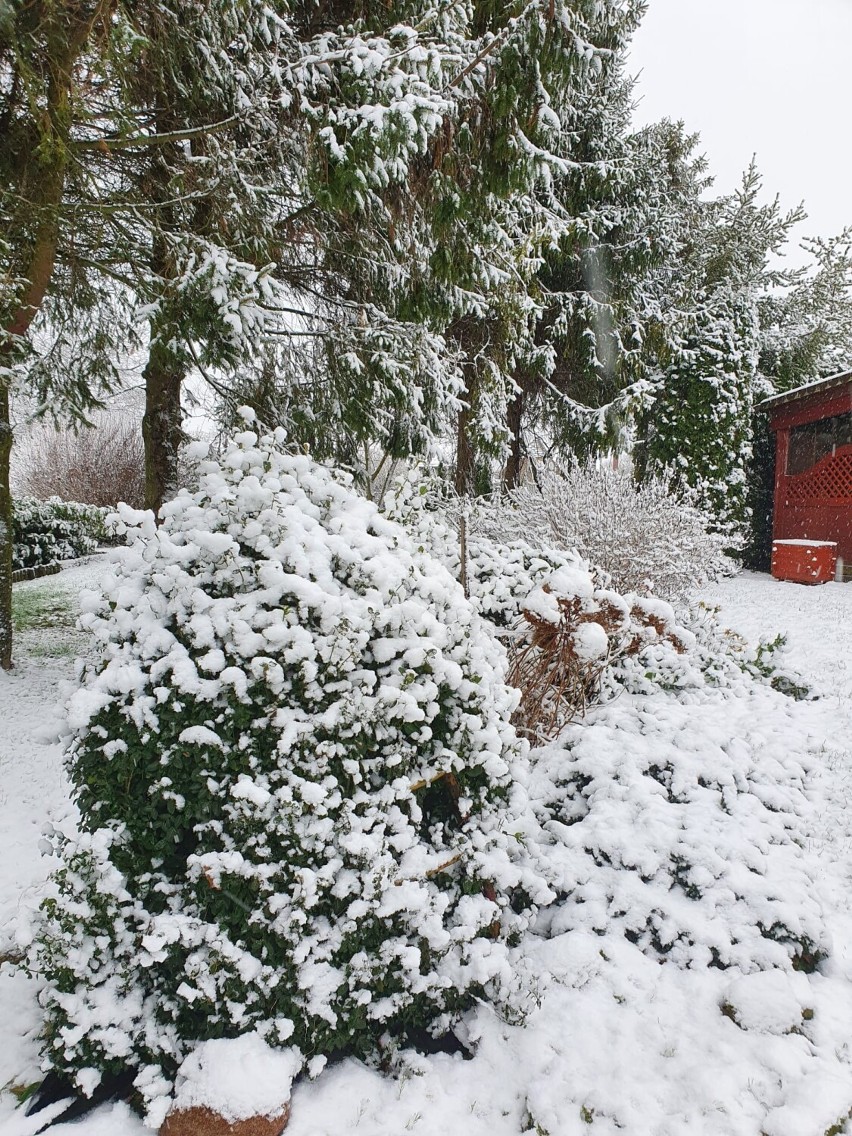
x,y
818,387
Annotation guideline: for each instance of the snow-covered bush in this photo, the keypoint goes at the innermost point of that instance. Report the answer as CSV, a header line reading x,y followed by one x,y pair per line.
x,y
500,573
294,765
722,651
501,577
643,536
676,815
45,531
564,629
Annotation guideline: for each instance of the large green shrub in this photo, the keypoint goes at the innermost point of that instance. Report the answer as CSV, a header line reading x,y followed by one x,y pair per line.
x,y
294,768
46,531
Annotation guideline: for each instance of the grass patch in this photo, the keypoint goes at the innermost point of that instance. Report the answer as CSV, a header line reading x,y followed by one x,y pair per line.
x,y
58,649
37,608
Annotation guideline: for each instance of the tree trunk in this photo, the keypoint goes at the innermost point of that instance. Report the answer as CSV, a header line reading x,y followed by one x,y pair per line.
x,y
7,541
162,425
465,454
514,420
162,422
42,167
39,259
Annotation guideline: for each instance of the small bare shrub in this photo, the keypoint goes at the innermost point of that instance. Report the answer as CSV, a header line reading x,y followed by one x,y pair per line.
x,y
643,536
569,634
98,465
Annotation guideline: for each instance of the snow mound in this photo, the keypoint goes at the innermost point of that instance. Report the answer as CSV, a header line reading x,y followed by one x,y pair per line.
x,y
237,1077
770,1001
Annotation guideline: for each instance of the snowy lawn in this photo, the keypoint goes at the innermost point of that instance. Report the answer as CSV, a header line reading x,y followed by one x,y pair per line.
x,y
617,1042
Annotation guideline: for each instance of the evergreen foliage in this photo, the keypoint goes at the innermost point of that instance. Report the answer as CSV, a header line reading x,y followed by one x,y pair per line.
x,y
697,430
806,330
687,857
297,780
447,242
700,427
107,207
47,531
589,327
399,226
756,552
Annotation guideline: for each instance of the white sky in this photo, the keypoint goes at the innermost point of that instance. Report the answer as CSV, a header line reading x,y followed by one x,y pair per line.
x,y
766,77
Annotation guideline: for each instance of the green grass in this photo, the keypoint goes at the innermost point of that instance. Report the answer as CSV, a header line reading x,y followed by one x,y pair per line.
x,y
44,617
41,607
57,649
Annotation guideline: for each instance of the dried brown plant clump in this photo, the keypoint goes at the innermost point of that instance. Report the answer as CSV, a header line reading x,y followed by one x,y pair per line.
x,y
565,644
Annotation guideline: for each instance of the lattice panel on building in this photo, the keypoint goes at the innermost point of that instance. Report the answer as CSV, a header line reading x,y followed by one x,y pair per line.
x,y
828,483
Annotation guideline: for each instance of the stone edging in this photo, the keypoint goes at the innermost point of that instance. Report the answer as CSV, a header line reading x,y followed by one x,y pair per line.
x,y
36,573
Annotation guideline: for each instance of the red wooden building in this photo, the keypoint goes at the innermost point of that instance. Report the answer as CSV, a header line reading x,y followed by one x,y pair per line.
x,y
813,463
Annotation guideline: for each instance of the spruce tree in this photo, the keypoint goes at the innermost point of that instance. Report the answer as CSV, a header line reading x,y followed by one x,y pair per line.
x,y
448,242
564,130
588,333
616,282
806,329
699,425
202,162
48,52
698,428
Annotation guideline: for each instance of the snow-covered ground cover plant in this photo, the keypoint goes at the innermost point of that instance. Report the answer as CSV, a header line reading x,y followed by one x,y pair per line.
x,y
296,777
647,538
676,821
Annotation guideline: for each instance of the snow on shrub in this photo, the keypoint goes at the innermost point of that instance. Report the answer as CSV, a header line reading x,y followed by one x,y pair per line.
x,y
563,628
643,536
237,1078
46,531
676,814
665,814
294,765
500,573
501,577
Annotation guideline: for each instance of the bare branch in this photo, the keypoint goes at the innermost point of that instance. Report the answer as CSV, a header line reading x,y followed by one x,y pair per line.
x,y
156,139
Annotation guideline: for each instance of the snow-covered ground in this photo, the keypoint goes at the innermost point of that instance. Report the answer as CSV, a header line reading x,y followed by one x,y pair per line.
x,y
617,1043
